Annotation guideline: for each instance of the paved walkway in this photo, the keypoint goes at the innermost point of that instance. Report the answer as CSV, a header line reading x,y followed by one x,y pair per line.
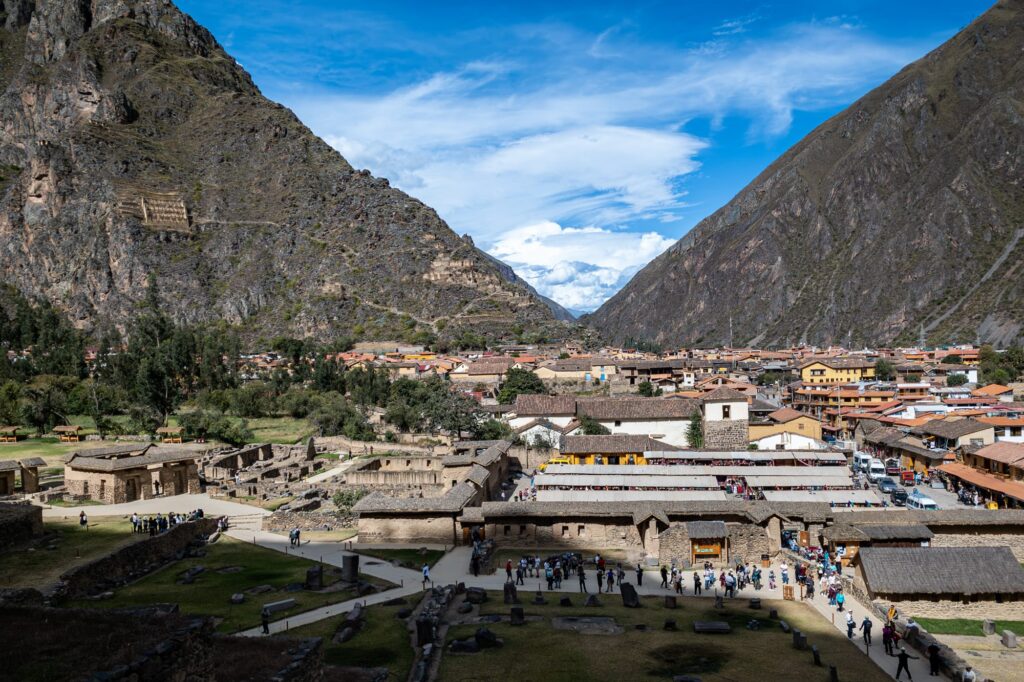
x,y
162,505
341,468
454,567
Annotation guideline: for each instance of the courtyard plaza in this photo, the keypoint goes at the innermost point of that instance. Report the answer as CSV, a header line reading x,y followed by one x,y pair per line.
x,y
454,568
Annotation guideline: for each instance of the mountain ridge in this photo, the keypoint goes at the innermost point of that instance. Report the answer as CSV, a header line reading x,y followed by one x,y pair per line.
x,y
134,144
882,221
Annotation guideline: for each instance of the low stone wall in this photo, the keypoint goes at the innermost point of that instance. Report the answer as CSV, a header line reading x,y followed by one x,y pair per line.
x,y
317,520
975,610
378,477
410,528
19,523
133,561
185,655
1015,541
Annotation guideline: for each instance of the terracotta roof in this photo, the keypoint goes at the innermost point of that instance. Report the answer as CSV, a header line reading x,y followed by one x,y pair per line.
x,y
537,405
724,395
1004,452
786,414
612,444
1001,421
984,480
636,408
952,428
991,390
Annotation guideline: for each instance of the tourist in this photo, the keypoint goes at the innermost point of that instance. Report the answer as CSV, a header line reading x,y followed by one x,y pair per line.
x,y
865,628
508,571
611,580
887,638
840,600
426,575
903,666
549,575
600,580
851,625
519,576
679,583
558,575
771,579
529,566
474,565
639,575
620,574
522,565
911,630
892,613
934,660
969,675
135,522
696,584
265,620
721,580
730,585
785,573
83,520
810,589
583,579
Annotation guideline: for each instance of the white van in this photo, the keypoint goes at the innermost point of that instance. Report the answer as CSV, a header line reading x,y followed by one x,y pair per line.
x,y
921,502
876,470
861,460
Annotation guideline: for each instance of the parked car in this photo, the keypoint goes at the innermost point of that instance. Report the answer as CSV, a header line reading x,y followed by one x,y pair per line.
x,y
876,470
892,466
907,478
919,501
886,485
898,497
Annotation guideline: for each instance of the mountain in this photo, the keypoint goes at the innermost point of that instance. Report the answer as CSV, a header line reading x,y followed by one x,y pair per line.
x,y
903,213
133,145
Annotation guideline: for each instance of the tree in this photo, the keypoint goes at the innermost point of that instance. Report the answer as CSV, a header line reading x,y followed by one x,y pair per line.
x,y
884,370
10,403
44,402
953,359
770,378
334,415
519,382
591,427
957,379
492,429
647,389
695,432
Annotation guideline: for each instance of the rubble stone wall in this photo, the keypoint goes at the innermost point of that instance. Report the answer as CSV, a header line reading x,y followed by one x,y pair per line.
x,y
434,529
973,538
19,523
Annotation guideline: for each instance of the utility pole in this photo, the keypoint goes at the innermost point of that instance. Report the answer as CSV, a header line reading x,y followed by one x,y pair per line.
x,y
730,331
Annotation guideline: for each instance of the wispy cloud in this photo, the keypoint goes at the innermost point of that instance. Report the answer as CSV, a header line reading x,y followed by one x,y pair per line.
x,y
573,129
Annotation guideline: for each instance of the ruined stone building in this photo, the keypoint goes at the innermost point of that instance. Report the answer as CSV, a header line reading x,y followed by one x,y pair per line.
x,y
132,472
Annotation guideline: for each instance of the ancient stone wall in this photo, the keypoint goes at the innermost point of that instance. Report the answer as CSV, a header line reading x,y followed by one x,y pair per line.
x,y
727,434
569,533
134,560
411,478
1002,537
674,545
439,529
747,542
528,459
971,610
284,521
186,655
19,523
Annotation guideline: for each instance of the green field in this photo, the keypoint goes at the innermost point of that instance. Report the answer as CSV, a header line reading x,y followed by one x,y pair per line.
x,y
537,651
279,429
42,567
964,626
383,641
211,592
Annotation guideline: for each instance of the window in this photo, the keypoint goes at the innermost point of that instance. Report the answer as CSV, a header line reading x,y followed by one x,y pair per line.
x,y
408,462
618,422
522,530
565,531
726,411
508,530
85,487
581,530
800,426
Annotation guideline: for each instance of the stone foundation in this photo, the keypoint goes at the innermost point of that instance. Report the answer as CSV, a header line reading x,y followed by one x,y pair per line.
x,y
972,610
19,523
1015,541
727,434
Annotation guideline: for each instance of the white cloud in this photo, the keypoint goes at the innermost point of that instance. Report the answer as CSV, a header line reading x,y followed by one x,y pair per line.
x,y
587,130
580,267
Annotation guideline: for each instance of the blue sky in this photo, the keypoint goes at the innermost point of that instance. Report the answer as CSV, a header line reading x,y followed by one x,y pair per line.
x,y
574,140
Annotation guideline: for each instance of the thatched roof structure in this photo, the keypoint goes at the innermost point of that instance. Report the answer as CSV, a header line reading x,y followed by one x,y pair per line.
x,y
934,571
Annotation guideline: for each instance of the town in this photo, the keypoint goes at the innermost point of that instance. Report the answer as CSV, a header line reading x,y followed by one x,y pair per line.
x,y
891,479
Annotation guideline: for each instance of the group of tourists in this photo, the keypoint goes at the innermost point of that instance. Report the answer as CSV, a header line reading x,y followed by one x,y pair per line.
x,y
154,525
294,537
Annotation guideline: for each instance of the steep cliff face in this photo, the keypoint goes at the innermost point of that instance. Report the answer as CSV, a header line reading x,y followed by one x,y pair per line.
x,y
131,144
904,212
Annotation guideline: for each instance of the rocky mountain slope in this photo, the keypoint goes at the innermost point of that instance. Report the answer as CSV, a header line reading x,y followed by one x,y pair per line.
x,y
903,213
131,144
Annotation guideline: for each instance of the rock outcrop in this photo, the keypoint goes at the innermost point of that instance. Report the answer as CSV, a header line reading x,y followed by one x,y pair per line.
x,y
132,144
903,213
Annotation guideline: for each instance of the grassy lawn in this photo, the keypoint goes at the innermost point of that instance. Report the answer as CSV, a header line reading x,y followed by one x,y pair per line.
x,y
280,429
75,546
49,449
514,554
964,626
211,592
538,651
383,641
407,557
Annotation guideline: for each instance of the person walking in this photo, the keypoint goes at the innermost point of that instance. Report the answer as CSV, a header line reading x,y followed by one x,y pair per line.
x,y
508,571
600,580
865,628
851,624
664,577
887,638
840,600
934,660
969,675
426,575
549,576
83,520
583,579
611,580
265,621
696,584
903,656
785,573
639,575
519,576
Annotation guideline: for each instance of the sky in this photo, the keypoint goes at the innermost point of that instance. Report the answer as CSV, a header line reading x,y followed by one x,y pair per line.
x,y
576,141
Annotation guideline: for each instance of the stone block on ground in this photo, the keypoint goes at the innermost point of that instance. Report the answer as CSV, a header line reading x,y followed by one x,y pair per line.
x,y
671,602
237,598
799,640
511,595
711,627
476,595
774,614
988,627
485,639
517,616
464,646
260,589
1009,639
281,605
629,596
350,568
565,601
755,602
784,626
539,599
465,607
670,624
816,654
592,600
